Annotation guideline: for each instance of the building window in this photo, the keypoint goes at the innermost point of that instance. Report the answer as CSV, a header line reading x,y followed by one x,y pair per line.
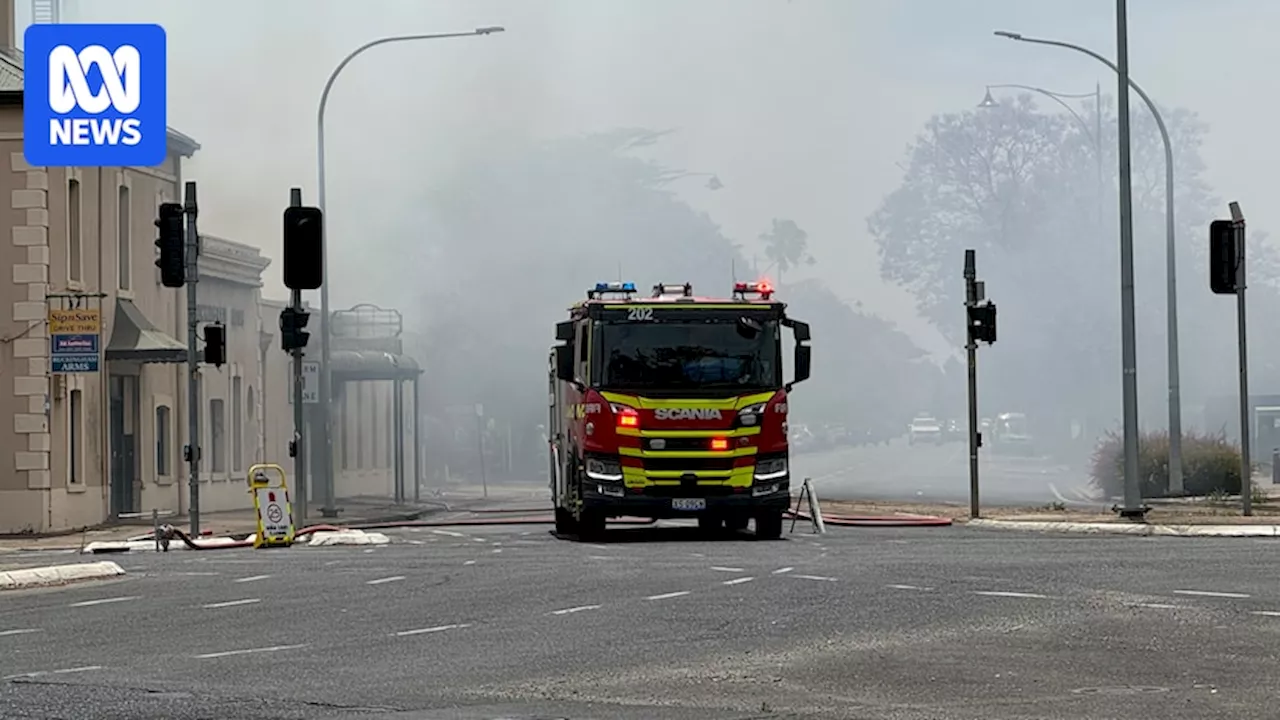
x,y
75,426
74,262
237,426
162,441
123,236
217,439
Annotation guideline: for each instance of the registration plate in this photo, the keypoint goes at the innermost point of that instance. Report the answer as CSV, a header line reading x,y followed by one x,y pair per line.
x,y
689,504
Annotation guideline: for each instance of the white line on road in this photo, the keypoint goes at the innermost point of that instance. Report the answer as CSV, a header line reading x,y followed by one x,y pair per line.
x,y
814,577
737,581
665,596
253,578
469,562
450,533
23,631
909,587
231,603
496,550
783,571
436,629
379,581
1159,606
103,601
250,651
198,574
1005,594
570,611
719,568
65,671
599,547
1264,613
1210,593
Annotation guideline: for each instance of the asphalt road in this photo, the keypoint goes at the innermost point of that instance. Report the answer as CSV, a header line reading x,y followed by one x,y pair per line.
x,y
481,624
940,473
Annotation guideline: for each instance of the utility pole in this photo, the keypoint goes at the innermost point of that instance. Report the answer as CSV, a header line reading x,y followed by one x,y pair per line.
x,y
298,447
980,323
191,210
1242,331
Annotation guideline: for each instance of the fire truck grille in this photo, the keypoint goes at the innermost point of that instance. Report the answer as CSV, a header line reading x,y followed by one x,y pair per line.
x,y
693,465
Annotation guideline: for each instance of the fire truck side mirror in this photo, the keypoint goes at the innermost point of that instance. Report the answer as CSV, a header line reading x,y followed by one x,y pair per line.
x,y
564,331
801,330
564,363
803,361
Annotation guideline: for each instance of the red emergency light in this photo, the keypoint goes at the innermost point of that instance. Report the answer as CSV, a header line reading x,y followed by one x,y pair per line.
x,y
763,288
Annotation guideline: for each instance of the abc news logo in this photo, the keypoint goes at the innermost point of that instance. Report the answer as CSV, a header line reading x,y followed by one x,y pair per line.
x,y
70,94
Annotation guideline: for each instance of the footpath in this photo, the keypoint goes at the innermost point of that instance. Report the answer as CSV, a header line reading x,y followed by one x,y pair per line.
x,y
1183,517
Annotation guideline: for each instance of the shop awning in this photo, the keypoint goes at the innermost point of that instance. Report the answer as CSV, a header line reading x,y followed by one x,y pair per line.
x,y
134,338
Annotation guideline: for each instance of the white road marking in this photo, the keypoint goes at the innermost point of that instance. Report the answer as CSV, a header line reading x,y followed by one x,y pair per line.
x,y
1210,593
1159,606
469,562
23,631
379,581
1005,594
783,571
250,651
450,533
570,611
478,539
599,547
496,550
665,596
909,587
1264,613
198,574
65,671
231,603
814,577
601,557
368,551
253,578
436,629
719,568
416,542
104,601
737,581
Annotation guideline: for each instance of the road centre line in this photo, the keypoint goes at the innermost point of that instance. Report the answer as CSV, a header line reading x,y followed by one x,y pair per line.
x,y
380,581
21,631
665,596
252,578
64,671
104,601
782,571
721,568
570,611
1007,594
1263,613
814,577
737,581
1210,593
231,603
909,587
436,629
1159,606
249,651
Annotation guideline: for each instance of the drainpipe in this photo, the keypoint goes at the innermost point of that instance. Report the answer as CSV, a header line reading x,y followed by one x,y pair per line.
x,y
104,378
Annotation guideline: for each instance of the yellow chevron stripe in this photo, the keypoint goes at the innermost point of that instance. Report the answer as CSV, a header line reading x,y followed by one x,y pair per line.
x,y
737,477
688,454
736,432
724,404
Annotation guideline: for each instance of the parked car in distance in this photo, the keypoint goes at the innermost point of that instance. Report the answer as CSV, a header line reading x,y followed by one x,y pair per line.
x,y
925,429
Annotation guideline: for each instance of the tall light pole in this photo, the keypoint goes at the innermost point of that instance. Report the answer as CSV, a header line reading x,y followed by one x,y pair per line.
x,y
326,377
1171,263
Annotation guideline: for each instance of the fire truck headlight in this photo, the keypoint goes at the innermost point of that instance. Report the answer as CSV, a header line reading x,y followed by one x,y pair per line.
x,y
771,469
604,470
750,415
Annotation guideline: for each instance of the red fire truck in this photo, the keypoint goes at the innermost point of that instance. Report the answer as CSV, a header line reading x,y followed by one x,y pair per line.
x,y
672,406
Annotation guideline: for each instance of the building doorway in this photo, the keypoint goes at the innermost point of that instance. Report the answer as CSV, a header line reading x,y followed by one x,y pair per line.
x,y
125,496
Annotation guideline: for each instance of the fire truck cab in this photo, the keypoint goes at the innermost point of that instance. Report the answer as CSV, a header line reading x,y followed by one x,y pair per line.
x,y
672,406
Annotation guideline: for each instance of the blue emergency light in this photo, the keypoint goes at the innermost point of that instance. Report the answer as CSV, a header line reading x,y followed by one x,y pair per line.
x,y
615,287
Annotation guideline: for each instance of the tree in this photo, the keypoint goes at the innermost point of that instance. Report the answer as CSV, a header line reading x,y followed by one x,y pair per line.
x,y
786,245
1022,188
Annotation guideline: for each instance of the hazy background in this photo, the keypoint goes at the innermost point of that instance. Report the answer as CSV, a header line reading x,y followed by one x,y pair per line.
x,y
439,181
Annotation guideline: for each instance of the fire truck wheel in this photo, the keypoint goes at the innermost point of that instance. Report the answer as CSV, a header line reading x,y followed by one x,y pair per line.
x,y
736,522
769,525
591,525
564,522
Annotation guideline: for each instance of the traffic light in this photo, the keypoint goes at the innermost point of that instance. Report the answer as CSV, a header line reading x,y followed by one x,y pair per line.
x,y
215,345
1223,257
292,334
982,322
303,248
173,246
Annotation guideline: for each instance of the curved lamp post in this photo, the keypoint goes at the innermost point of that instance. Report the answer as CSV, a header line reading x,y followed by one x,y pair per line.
x,y
1171,266
325,376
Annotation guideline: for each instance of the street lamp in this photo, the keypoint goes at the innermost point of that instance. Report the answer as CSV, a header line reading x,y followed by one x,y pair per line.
x,y
1171,264
326,376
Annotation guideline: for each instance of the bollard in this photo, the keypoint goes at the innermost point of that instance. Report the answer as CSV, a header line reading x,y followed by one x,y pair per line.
x,y
155,527
1275,466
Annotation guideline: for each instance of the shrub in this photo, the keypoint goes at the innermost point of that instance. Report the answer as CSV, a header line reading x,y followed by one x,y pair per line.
x,y
1210,464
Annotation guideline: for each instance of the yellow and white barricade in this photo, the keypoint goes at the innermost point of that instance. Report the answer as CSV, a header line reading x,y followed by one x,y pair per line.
x,y
270,490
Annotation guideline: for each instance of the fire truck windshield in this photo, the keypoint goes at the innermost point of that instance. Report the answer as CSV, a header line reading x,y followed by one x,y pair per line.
x,y
684,355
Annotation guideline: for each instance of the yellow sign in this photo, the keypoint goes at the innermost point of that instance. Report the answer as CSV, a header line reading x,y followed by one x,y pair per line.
x,y
75,322
271,505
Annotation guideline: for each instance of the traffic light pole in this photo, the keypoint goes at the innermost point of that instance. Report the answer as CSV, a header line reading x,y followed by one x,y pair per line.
x,y
971,299
299,422
193,358
1242,333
